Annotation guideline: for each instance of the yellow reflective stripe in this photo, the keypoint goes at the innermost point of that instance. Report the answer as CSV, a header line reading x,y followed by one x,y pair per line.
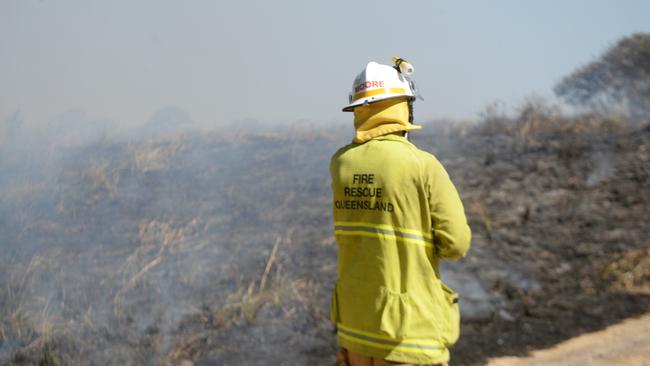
x,y
373,230
384,226
380,341
396,237
370,93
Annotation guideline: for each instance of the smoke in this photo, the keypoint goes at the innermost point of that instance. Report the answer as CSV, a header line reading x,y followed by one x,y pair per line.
x,y
166,244
141,246
603,168
183,245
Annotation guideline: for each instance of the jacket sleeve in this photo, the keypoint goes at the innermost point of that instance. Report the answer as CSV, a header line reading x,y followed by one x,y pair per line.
x,y
452,234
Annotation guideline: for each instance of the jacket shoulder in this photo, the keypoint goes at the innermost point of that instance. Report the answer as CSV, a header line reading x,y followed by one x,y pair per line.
x,y
425,155
343,149
427,160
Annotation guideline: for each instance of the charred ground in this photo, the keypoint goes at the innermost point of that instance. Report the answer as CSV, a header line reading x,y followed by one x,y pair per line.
x,y
216,248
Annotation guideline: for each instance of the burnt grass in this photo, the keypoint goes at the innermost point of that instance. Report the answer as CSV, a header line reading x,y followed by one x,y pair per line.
x,y
215,248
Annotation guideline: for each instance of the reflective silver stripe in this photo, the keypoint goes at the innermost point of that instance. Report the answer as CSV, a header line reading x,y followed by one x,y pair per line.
x,y
388,342
384,231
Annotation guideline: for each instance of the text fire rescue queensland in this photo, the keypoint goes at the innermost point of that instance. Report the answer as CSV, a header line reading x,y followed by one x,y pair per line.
x,y
363,195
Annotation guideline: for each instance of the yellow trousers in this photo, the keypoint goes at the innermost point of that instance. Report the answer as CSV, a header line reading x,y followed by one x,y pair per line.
x,y
348,358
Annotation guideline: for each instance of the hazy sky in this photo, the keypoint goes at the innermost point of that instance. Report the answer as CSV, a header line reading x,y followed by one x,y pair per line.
x,y
281,61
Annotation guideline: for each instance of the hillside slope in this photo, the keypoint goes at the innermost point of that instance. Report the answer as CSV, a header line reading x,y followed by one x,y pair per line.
x,y
197,249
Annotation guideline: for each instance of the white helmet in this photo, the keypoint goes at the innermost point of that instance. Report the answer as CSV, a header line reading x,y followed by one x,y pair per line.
x,y
379,82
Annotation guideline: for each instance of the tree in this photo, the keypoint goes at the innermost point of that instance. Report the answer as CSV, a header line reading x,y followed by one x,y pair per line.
x,y
619,81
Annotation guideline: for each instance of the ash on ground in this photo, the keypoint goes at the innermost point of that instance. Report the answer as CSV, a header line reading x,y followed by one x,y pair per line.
x,y
218,248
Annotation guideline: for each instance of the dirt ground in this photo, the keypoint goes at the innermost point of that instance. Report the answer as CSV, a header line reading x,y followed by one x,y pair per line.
x,y
624,344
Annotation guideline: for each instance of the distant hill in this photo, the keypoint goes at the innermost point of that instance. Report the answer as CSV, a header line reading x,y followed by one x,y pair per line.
x,y
166,122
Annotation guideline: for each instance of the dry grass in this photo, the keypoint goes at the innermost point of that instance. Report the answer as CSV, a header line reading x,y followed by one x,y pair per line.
x,y
29,317
478,209
102,180
630,272
22,198
240,309
155,156
537,121
157,241
151,260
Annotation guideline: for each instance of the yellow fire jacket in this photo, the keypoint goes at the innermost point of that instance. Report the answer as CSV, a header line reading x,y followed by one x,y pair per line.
x,y
396,213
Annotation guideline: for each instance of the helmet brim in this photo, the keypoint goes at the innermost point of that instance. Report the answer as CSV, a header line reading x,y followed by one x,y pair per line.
x,y
365,101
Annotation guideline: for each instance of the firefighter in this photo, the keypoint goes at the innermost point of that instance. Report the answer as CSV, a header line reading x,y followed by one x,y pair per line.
x,y
396,215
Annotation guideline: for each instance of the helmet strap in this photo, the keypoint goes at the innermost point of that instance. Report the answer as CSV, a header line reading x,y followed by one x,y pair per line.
x,y
410,103
397,63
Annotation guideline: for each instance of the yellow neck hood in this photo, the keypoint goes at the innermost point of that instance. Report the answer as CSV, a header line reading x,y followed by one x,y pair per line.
x,y
381,118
